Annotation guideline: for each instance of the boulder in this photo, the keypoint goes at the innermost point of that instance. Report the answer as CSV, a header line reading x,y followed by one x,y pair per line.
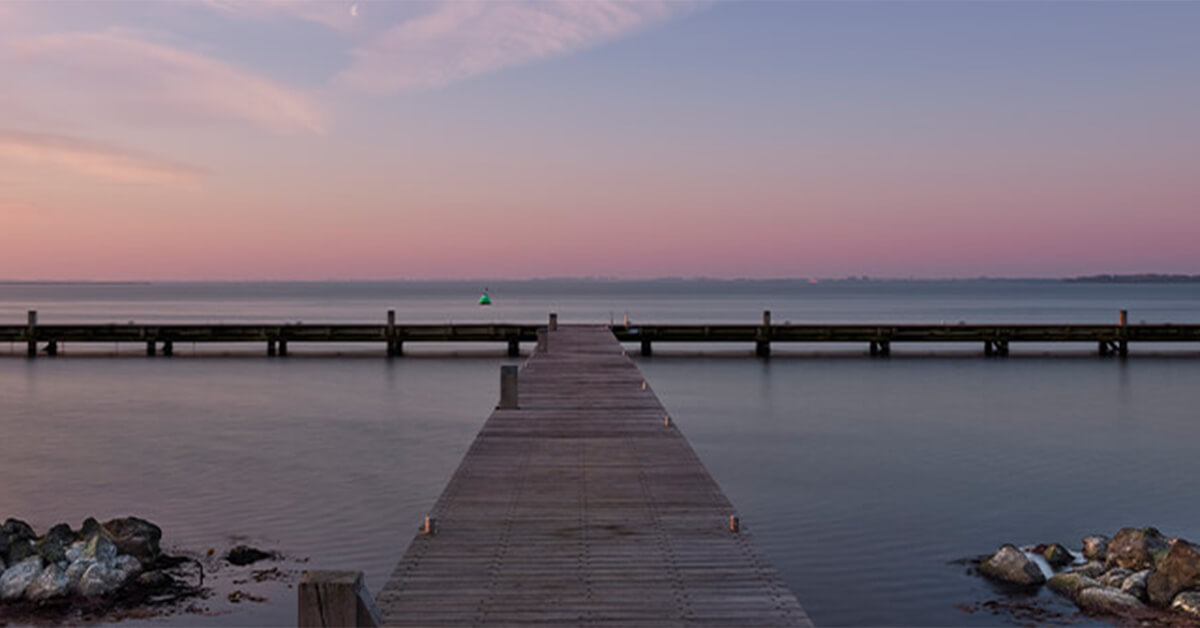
x,y
1188,603
15,528
53,546
75,573
102,578
137,537
19,549
1135,548
17,578
89,527
1095,547
1178,571
51,583
1114,577
1009,564
245,555
1058,556
1092,569
74,551
1135,584
155,580
1108,601
1070,585
99,548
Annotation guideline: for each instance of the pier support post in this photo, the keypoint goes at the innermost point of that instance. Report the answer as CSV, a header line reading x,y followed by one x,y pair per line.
x,y
335,598
543,340
390,333
31,334
514,348
168,348
508,387
762,346
988,351
1123,344
150,350
553,326
646,348
283,348
885,348
270,348
52,348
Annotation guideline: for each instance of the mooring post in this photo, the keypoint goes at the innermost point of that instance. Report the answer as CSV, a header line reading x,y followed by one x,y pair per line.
x,y
762,348
1123,321
31,334
508,387
553,321
391,333
543,340
335,598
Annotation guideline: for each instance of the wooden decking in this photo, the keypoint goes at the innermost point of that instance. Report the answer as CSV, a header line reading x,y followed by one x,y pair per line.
x,y
584,507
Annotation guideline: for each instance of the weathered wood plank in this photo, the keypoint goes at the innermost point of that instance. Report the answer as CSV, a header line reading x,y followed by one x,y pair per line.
x,y
582,507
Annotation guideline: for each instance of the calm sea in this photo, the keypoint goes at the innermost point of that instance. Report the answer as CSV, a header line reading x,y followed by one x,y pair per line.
x,y
861,479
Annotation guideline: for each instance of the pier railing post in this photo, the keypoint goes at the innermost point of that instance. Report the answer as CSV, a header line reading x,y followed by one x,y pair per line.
x,y
508,387
335,598
543,340
762,347
553,326
31,334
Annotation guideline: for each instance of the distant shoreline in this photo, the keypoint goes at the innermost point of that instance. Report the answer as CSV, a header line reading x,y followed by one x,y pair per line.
x,y
1155,278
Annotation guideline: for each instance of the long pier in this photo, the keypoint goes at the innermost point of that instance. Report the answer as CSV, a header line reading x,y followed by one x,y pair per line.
x,y
579,503
995,339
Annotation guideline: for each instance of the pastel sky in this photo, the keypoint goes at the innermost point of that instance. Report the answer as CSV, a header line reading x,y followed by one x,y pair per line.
x,y
351,139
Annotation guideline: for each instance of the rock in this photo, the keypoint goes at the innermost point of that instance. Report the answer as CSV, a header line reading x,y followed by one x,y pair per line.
x,y
51,583
53,545
89,527
74,551
1187,602
1093,569
1095,547
15,528
99,548
1058,556
75,572
1070,584
1178,571
1135,548
102,578
245,555
1009,564
1108,601
16,578
1114,577
1135,584
19,549
155,580
137,537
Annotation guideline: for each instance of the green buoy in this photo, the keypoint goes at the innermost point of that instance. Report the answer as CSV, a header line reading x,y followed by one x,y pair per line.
x,y
484,299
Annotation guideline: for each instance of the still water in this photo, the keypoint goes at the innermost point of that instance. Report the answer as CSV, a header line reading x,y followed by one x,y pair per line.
x,y
861,479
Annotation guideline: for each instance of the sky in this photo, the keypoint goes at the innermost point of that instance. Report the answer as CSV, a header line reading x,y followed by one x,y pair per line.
x,y
352,139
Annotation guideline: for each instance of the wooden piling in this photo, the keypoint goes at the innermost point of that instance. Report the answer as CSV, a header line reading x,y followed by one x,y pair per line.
x,y
514,348
282,348
31,333
543,339
150,349
328,599
271,348
390,333
168,348
508,387
762,345
52,348
553,326
647,350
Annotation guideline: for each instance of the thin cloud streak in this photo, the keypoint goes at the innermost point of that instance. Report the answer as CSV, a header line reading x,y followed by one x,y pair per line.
x,y
335,14
94,159
458,40
164,82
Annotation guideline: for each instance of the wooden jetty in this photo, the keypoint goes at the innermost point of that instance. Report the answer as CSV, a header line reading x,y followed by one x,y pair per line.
x,y
1110,340
579,503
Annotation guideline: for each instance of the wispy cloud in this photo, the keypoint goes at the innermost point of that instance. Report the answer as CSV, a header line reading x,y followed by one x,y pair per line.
x,y
95,159
339,15
457,40
157,80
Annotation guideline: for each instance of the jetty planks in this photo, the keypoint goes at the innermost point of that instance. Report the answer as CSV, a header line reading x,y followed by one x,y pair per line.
x,y
583,506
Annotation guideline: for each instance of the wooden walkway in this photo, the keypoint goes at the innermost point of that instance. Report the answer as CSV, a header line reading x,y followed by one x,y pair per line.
x,y
583,507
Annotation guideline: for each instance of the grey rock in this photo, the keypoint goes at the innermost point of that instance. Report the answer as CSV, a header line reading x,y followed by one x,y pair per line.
x,y
1108,601
19,549
1095,547
75,573
51,583
15,528
102,578
17,578
1069,584
1009,564
1178,571
89,527
74,551
155,580
244,555
1135,584
99,548
53,545
1187,602
1135,548
1114,577
1058,556
1093,569
137,537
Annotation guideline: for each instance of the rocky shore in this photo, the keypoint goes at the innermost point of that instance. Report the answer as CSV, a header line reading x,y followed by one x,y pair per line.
x,y
1138,575
100,567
